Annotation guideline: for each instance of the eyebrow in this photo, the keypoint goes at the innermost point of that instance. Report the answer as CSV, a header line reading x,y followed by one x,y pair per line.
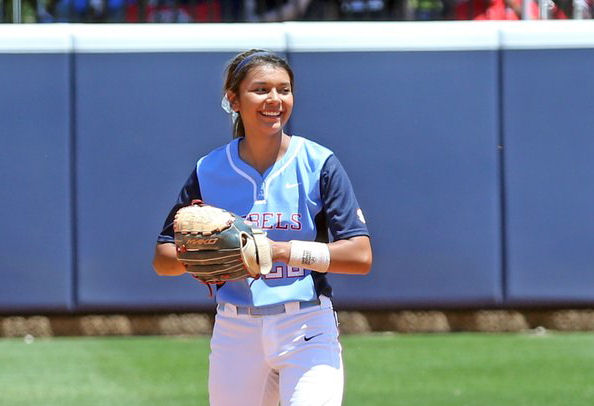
x,y
267,83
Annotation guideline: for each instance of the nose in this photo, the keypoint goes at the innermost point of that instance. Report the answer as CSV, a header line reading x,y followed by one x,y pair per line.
x,y
273,95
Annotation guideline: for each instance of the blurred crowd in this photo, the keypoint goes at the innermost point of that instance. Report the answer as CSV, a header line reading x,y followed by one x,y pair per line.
x,y
185,11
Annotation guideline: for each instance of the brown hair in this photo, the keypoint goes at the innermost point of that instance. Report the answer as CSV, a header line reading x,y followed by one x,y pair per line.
x,y
239,67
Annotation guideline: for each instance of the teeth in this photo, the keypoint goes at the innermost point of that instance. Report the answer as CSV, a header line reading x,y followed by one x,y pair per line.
x,y
271,113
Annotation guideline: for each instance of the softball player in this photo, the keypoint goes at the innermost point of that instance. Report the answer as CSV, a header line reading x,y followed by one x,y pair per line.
x,y
275,338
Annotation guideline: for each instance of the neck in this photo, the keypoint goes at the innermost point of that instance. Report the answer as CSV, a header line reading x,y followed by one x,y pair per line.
x,y
261,153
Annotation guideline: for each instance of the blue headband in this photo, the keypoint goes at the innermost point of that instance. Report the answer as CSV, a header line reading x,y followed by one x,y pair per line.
x,y
247,60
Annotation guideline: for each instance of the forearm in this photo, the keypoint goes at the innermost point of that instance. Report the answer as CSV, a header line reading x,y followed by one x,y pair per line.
x,y
165,261
350,256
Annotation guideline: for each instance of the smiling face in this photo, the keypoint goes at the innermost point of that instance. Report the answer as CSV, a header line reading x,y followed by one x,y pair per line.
x,y
264,100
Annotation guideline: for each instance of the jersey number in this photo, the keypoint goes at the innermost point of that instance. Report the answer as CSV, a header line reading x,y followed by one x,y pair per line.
x,y
280,271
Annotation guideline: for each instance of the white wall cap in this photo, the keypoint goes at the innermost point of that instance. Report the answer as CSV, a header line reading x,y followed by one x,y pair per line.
x,y
35,38
115,38
550,34
391,36
297,36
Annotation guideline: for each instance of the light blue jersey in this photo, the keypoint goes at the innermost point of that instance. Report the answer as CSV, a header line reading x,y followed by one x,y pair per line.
x,y
300,197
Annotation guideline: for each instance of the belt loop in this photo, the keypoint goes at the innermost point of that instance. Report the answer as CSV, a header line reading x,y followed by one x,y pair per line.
x,y
292,307
229,308
326,302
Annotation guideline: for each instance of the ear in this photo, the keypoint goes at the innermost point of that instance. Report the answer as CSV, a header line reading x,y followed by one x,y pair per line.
x,y
233,100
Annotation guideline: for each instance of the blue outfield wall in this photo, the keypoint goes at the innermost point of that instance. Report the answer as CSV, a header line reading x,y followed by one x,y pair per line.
x,y
35,172
550,175
468,145
137,144
430,196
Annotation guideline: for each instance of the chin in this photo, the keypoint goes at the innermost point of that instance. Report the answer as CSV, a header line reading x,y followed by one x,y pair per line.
x,y
274,128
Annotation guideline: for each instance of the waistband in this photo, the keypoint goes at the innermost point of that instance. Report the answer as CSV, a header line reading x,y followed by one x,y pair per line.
x,y
271,310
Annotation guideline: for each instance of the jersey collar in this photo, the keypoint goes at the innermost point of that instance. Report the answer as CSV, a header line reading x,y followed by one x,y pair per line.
x,y
261,182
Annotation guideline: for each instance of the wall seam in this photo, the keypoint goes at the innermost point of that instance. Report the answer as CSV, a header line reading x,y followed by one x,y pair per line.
x,y
502,172
73,178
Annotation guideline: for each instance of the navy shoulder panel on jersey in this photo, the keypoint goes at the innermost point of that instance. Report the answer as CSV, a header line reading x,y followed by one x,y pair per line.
x,y
343,214
190,191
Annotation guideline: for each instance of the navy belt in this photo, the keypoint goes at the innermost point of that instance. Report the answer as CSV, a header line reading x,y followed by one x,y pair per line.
x,y
268,310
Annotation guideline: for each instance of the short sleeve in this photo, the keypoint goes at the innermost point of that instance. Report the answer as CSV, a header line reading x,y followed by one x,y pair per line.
x,y
344,217
190,191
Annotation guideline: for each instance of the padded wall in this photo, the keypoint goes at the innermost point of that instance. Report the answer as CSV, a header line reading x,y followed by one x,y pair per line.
x,y
35,172
424,166
549,166
143,121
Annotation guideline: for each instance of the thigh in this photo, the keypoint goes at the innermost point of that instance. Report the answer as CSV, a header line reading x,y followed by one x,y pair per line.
x,y
312,372
314,386
238,373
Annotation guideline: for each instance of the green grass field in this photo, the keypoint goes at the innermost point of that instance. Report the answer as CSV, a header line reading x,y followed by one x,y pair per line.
x,y
421,370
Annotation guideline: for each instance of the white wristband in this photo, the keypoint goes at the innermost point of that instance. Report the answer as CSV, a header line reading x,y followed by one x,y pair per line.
x,y
310,255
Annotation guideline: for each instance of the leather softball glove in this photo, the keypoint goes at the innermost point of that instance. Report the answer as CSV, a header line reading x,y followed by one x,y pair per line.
x,y
218,246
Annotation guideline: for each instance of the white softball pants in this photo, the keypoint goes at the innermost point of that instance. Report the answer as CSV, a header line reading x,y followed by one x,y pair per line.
x,y
293,358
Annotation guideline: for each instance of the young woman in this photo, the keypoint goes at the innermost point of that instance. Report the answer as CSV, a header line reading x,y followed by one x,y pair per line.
x,y
275,338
